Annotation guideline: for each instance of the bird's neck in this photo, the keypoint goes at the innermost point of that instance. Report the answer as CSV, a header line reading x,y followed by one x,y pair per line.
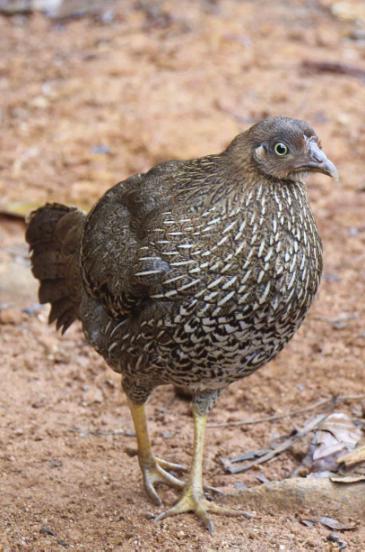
x,y
225,183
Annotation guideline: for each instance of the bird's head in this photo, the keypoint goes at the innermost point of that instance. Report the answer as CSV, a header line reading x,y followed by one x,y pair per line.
x,y
284,149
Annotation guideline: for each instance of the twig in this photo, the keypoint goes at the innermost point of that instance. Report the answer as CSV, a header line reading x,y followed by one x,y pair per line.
x,y
334,68
339,323
285,445
9,215
331,401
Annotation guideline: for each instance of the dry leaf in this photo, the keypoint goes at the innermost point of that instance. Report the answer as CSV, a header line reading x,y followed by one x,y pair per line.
x,y
278,448
308,522
335,436
348,478
355,457
333,523
338,542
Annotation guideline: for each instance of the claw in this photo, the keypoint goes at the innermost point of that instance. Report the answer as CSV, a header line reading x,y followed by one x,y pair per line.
x,y
155,473
197,503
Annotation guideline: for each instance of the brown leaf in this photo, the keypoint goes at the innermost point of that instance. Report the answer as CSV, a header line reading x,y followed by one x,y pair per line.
x,y
336,435
348,479
308,522
333,523
355,457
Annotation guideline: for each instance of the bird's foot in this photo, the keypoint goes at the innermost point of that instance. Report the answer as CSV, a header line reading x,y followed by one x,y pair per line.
x,y
195,501
155,472
170,465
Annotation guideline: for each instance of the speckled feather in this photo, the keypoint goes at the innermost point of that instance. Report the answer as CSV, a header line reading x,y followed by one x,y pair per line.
x,y
197,272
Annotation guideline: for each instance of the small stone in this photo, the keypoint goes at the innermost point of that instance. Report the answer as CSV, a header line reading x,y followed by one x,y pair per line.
x,y
131,452
40,102
32,309
240,485
100,149
94,395
47,531
167,434
55,463
337,539
11,317
327,37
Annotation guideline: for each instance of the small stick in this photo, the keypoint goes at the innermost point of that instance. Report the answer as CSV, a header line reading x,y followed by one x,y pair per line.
x,y
332,401
285,445
334,68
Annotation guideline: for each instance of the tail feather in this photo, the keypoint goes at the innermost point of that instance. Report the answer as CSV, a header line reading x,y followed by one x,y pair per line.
x,y
62,313
49,264
54,235
52,290
42,223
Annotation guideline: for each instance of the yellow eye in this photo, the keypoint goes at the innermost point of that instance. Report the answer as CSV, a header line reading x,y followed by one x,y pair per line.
x,y
281,149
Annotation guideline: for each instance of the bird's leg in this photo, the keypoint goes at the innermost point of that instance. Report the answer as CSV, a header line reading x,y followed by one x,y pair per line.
x,y
153,469
193,499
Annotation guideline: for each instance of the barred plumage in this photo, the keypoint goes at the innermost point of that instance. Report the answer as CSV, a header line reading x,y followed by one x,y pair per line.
x,y
195,273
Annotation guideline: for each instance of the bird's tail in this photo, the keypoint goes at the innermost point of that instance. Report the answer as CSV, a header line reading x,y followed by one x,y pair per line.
x,y
54,236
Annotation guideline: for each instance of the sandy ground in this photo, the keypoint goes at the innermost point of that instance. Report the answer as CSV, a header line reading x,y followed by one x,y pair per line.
x,y
86,103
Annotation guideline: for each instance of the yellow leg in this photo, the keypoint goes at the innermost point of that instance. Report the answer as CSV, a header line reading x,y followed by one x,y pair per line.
x,y
193,499
153,469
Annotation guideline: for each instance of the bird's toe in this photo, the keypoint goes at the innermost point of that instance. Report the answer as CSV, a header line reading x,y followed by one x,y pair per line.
x,y
170,465
198,504
156,474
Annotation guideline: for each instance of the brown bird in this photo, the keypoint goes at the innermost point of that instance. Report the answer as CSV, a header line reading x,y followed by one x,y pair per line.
x,y
196,274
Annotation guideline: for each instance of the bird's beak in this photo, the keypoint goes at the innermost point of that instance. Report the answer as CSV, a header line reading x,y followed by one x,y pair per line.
x,y
317,161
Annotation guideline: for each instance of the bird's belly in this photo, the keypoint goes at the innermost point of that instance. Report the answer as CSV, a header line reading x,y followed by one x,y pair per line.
x,y
225,334
210,352
205,345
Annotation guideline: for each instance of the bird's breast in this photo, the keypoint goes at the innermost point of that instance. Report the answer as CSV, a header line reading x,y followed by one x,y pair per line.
x,y
241,280
228,289
265,254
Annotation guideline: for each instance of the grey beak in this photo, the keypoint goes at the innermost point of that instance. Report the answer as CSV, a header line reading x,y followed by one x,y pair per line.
x,y
318,161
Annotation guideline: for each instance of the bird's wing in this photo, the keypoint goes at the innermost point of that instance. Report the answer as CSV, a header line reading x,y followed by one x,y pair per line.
x,y
144,242
122,264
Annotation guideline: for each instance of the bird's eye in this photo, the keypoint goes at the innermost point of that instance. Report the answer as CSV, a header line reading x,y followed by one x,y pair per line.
x,y
281,149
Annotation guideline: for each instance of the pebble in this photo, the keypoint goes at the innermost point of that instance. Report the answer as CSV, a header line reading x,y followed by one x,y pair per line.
x,y
11,316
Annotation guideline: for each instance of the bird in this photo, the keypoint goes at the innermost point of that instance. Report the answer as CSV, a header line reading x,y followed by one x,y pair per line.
x,y
195,273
